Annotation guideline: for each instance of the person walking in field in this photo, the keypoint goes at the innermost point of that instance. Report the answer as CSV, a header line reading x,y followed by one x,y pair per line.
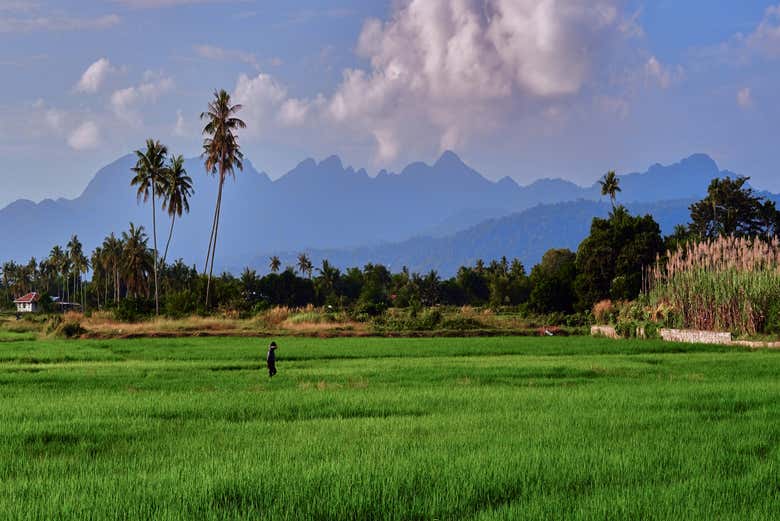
x,y
271,359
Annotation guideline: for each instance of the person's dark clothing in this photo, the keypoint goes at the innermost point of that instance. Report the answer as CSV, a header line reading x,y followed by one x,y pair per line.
x,y
271,360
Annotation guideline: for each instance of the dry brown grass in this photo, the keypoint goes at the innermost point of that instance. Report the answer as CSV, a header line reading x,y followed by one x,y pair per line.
x,y
602,311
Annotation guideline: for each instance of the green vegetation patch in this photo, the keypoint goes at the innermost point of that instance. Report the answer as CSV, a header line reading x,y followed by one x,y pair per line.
x,y
427,428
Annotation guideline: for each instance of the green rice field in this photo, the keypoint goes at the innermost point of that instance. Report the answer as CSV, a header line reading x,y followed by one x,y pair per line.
x,y
396,429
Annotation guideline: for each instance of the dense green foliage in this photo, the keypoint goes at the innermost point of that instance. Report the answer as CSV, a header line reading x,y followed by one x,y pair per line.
x,y
486,429
611,259
552,282
732,209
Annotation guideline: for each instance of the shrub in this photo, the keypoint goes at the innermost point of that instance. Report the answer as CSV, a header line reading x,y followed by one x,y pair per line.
x,y
132,310
626,328
773,319
604,312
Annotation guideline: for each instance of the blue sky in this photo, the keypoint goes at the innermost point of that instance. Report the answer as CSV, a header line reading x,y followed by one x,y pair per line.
x,y
525,88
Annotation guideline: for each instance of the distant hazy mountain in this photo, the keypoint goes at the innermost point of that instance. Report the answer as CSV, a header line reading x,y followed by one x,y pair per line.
x,y
322,206
526,235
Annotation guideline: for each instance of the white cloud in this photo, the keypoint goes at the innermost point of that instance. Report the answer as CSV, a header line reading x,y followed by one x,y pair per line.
x,y
55,23
453,66
94,76
663,75
766,37
741,49
85,137
442,73
266,102
125,102
745,98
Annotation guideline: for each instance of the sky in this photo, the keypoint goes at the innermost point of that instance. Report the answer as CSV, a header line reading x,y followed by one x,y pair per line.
x,y
519,88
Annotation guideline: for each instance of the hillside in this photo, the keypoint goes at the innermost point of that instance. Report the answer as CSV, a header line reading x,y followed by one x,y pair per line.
x,y
329,206
526,235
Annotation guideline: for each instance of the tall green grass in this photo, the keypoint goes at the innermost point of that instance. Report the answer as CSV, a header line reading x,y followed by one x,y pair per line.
x,y
726,285
484,429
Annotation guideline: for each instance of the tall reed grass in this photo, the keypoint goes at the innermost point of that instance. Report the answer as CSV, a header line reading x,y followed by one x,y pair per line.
x,y
727,284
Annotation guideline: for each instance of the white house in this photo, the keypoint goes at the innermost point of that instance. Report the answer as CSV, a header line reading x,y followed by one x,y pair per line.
x,y
28,303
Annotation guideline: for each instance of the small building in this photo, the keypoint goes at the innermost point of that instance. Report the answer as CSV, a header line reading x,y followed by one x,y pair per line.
x,y
28,303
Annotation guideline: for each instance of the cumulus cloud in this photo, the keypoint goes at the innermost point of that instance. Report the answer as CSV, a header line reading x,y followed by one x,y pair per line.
x,y
443,72
94,76
85,137
448,62
745,98
125,102
266,103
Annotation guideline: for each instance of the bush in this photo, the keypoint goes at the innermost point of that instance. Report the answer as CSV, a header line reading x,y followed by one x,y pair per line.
x,y
462,324
133,310
604,312
369,309
180,304
71,330
626,328
773,319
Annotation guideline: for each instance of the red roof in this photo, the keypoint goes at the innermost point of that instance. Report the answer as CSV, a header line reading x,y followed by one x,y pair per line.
x,y
30,297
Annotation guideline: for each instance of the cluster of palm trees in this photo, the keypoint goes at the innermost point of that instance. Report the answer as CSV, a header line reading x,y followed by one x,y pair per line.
x,y
303,265
120,266
62,270
157,175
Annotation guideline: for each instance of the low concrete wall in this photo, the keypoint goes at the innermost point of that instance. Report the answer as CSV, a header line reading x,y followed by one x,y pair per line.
x,y
695,337
605,331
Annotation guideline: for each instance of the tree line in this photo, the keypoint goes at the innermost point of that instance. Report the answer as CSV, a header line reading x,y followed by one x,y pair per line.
x,y
129,275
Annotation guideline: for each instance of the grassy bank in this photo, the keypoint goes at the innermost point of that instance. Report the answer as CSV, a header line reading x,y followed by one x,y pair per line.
x,y
307,322
490,428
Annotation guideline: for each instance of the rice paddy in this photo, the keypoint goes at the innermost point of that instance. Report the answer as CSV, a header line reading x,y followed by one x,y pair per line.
x,y
396,429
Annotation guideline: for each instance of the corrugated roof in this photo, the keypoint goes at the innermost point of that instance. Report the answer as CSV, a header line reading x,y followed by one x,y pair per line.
x,y
30,297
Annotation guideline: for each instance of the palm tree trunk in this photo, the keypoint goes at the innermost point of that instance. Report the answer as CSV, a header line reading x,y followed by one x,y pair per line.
x,y
211,237
216,231
170,234
154,233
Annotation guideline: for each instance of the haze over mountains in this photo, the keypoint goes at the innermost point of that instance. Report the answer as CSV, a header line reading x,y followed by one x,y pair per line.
x,y
427,216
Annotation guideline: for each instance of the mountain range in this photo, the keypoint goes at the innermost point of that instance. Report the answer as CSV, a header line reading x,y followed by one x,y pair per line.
x,y
427,216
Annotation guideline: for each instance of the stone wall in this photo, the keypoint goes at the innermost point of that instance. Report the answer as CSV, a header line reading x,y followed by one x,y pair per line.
x,y
695,337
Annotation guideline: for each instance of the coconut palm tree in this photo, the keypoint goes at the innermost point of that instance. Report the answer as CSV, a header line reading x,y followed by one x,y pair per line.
x,y
137,263
98,273
112,248
78,263
304,265
222,155
56,256
275,264
79,266
178,189
610,185
149,178
329,276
